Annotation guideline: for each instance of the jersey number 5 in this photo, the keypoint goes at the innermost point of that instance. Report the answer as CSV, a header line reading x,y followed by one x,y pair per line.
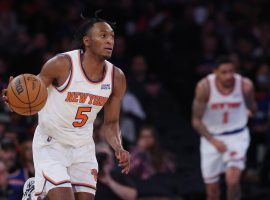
x,y
81,116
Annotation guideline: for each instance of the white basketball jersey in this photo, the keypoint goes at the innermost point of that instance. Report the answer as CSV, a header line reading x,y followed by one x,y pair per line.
x,y
225,113
69,114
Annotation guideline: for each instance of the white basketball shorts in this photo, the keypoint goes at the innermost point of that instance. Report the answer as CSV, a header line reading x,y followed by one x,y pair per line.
x,y
213,163
58,165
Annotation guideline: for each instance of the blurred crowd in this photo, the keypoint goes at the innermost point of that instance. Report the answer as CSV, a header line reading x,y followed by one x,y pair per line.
x,y
164,47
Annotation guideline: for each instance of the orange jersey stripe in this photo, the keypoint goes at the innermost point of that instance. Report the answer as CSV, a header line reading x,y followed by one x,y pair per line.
x,y
70,77
84,184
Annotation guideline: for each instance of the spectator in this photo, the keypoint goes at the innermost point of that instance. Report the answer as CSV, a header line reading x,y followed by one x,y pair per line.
x,y
3,126
132,116
13,137
6,192
151,166
3,73
148,158
24,170
138,75
112,184
8,155
26,158
8,27
259,151
260,122
156,102
19,124
210,44
132,105
119,57
3,180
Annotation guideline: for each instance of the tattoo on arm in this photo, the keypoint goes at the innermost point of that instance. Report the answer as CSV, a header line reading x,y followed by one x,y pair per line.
x,y
198,108
249,94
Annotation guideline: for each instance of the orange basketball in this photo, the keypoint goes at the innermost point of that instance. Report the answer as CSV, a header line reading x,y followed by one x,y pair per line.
x,y
26,94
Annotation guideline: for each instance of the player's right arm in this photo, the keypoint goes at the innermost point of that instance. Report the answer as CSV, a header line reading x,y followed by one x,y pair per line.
x,y
55,71
198,108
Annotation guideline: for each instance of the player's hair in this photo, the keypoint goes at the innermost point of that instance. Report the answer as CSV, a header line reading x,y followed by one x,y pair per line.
x,y
86,26
224,59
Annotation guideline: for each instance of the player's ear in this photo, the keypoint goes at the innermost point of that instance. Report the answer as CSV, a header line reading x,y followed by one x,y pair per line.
x,y
215,71
86,41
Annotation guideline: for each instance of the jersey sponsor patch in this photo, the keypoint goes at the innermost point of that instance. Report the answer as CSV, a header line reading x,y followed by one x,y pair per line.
x,y
106,86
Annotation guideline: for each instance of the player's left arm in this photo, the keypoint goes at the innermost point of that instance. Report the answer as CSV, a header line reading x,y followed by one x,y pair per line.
x,y
111,120
248,91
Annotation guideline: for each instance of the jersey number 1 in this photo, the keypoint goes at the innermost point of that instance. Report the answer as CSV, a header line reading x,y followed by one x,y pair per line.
x,y
225,117
81,118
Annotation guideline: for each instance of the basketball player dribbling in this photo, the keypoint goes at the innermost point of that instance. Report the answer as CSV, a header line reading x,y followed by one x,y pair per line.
x,y
221,107
80,83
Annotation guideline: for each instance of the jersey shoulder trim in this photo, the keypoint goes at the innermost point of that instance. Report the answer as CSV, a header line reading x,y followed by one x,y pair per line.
x,y
112,79
68,81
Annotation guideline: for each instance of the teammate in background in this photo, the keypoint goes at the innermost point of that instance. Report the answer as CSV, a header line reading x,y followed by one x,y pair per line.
x,y
80,83
223,102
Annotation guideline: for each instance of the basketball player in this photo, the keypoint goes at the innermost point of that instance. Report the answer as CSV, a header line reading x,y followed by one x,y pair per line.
x,y
222,104
80,83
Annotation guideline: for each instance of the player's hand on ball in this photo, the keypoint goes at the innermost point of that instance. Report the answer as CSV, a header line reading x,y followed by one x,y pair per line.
x,y
123,158
4,95
219,145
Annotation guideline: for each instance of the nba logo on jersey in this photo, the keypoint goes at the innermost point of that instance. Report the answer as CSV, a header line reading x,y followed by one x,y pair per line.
x,y
49,139
106,86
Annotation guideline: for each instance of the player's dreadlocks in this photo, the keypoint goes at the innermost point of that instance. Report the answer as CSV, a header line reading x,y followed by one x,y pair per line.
x,y
86,26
